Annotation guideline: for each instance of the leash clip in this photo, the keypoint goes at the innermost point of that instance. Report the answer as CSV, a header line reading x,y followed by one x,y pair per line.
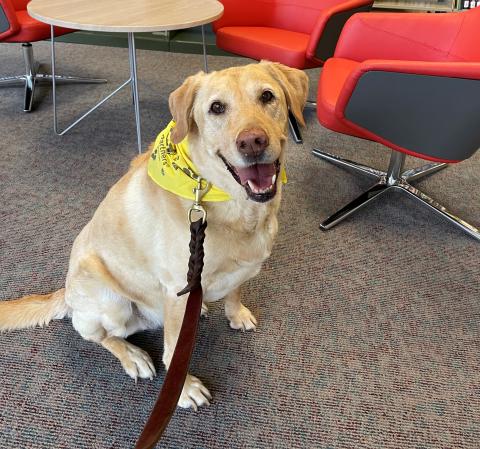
x,y
197,207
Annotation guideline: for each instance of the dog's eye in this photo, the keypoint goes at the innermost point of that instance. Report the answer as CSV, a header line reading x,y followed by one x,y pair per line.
x,y
267,96
217,108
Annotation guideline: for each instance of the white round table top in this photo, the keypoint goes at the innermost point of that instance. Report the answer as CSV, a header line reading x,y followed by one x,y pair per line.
x,y
125,15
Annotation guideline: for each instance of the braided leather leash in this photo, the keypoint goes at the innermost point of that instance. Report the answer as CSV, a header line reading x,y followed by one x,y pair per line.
x,y
175,379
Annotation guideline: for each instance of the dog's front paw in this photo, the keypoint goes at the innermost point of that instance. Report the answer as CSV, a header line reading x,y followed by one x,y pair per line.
x,y
194,394
137,363
242,319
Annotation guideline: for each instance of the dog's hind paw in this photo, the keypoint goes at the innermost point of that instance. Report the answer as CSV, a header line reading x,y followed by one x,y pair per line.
x,y
194,394
243,319
204,309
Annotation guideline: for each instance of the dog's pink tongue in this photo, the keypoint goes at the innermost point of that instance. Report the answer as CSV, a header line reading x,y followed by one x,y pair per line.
x,y
260,174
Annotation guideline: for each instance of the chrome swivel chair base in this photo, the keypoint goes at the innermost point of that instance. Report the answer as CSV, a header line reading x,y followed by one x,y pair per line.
x,y
293,124
294,128
394,178
32,78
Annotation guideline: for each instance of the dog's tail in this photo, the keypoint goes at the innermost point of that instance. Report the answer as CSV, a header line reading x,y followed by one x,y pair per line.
x,y
33,310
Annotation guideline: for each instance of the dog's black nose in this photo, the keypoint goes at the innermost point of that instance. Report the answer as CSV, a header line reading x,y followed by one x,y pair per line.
x,y
252,142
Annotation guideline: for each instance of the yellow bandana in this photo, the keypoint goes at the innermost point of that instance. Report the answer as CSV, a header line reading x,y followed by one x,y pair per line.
x,y
170,167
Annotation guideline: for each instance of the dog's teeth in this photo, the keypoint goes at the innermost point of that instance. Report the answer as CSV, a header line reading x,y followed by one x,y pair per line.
x,y
256,189
274,178
253,187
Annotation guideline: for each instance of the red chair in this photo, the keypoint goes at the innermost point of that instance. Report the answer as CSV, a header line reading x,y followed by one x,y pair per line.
x,y
17,26
300,34
412,83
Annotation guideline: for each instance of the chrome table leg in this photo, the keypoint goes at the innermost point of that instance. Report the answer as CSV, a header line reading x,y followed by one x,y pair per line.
x,y
204,44
132,80
133,77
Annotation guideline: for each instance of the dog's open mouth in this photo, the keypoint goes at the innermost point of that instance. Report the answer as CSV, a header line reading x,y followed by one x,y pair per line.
x,y
258,180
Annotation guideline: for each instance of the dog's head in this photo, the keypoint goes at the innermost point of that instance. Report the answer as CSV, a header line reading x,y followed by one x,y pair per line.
x,y
236,121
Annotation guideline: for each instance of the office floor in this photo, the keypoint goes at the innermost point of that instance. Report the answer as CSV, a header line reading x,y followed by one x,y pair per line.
x,y
368,336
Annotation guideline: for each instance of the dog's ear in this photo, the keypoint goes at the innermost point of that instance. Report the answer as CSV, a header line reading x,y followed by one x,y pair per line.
x,y
294,83
181,104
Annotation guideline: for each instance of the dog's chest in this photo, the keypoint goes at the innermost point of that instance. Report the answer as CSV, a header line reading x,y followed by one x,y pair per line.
x,y
231,262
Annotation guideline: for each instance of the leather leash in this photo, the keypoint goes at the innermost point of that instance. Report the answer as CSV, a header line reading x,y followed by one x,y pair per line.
x,y
167,400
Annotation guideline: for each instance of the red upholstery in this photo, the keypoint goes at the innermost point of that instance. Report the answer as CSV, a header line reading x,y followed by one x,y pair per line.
x,y
416,37
279,30
334,76
287,47
442,45
23,27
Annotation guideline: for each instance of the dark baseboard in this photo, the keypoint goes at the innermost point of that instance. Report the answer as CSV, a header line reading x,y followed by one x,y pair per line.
x,y
181,41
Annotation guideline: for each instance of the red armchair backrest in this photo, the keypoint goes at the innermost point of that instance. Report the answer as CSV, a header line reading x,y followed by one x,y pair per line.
x,y
414,37
297,15
466,46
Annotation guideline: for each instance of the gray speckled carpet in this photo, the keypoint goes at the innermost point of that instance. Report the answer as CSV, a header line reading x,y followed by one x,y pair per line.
x,y
368,337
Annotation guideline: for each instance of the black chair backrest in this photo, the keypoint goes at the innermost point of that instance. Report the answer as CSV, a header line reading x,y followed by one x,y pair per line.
x,y
437,116
4,23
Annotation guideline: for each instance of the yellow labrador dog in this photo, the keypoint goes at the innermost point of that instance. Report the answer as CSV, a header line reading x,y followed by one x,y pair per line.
x,y
131,259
